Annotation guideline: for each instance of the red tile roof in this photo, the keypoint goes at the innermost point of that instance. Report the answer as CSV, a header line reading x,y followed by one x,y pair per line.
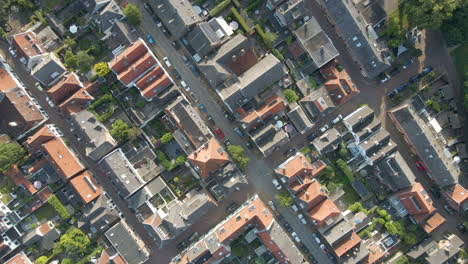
x,y
7,83
376,252
62,158
273,105
27,45
209,158
458,194
417,202
338,83
34,142
156,86
65,88
19,179
243,61
312,194
19,258
344,246
122,61
77,102
136,69
433,223
323,211
85,185
299,166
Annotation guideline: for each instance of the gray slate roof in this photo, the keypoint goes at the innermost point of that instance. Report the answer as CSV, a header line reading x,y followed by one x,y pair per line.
x,y
176,15
299,119
126,244
394,172
317,44
98,214
206,36
285,244
49,70
317,104
147,192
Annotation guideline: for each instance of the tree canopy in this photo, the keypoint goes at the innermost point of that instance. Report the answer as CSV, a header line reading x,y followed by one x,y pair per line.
x,y
84,61
10,153
430,13
290,95
119,130
101,69
284,199
237,153
73,244
133,14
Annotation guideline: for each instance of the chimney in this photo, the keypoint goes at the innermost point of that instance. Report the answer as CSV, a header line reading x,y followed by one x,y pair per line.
x,y
322,52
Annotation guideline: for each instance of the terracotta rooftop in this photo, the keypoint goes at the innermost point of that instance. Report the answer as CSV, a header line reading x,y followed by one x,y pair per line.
x,y
312,194
43,229
34,142
344,246
417,201
209,158
27,44
44,194
458,194
323,211
61,157
19,258
85,185
77,102
65,88
298,165
375,254
243,61
136,69
6,82
122,61
338,83
156,86
19,179
272,106
433,223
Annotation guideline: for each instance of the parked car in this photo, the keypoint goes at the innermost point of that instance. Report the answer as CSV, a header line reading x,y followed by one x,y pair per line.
x,y
324,128
311,136
316,238
392,94
395,71
248,145
419,165
184,85
12,51
39,87
312,259
337,119
415,79
402,87
239,131
50,102
427,70
288,227
227,142
202,108
150,39
407,63
232,207
384,77
176,45
167,62
176,74
304,249
461,227
302,218
219,133
276,184
272,205
323,248
182,245
229,116
435,191
185,59
449,209
295,236
294,207
289,152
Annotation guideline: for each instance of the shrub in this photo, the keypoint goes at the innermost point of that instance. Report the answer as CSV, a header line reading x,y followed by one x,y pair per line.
x,y
101,69
219,8
267,38
141,103
180,160
70,59
10,153
133,14
290,95
119,130
237,153
253,5
345,169
278,54
284,199
356,207
236,3
84,61
241,21
381,221
166,138
41,260
58,207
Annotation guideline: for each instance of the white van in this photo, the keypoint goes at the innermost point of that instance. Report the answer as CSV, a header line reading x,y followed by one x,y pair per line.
x,y
168,63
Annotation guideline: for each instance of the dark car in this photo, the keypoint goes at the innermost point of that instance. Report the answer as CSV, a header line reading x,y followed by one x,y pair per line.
x,y
402,87
176,74
229,116
415,79
394,71
289,152
435,191
232,206
461,227
311,136
312,259
392,94
288,227
176,45
427,70
408,63
182,245
304,249
249,146
227,142
149,8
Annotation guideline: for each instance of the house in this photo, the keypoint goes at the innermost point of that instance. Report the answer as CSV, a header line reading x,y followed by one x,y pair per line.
x,y
289,12
272,106
94,136
324,214
129,246
110,256
121,173
417,202
21,114
62,158
433,223
315,42
29,48
108,16
144,195
177,16
215,244
359,119
119,37
191,131
208,158
98,214
19,258
317,104
86,186
44,235
435,252
49,39
339,232
457,198
375,13
234,57
311,194
338,83
411,120
137,66
327,142
48,70
238,91
78,101
299,119
63,89
394,172
209,35
298,169
361,39
350,242
269,137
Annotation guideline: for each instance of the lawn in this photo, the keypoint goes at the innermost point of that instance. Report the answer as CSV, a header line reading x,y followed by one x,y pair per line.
x,y
45,212
461,61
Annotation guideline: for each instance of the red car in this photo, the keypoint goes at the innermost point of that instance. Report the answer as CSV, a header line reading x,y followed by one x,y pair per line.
x,y
219,133
419,165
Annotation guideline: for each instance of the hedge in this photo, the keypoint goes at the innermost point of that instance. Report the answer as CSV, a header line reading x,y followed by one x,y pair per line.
x,y
220,7
58,207
236,3
107,98
253,5
278,54
345,169
241,20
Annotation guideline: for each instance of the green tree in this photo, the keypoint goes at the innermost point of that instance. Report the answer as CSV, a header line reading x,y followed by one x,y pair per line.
x,y
101,69
26,4
84,61
381,221
410,239
403,260
66,261
73,244
70,59
260,260
285,199
180,160
430,13
133,14
329,172
382,213
270,38
391,228
133,133
356,207
119,130
41,260
69,42
237,153
455,29
393,32
10,153
343,151
166,138
290,95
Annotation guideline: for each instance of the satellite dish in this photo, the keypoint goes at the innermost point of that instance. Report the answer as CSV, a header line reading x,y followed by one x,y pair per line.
x,y
234,25
37,184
